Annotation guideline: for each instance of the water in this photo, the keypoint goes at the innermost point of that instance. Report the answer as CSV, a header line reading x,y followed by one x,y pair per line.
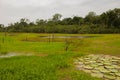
x,y
11,54
67,36
8,55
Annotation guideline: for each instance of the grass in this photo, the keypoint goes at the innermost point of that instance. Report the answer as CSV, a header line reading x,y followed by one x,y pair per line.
x,y
52,67
3,52
50,60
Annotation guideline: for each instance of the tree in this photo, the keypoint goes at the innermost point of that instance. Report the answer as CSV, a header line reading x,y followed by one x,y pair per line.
x,y
56,17
67,21
31,24
77,20
24,22
41,21
111,18
1,27
107,22
90,17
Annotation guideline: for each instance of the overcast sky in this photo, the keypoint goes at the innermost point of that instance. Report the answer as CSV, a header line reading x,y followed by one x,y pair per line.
x,y
13,10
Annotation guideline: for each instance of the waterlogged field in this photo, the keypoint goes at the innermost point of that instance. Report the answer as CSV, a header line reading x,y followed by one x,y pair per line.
x,y
51,58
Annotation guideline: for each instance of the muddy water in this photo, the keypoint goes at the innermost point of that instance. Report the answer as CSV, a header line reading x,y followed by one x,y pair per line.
x,y
67,36
8,55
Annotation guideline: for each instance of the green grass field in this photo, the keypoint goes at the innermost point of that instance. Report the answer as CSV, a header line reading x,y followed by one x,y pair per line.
x,y
49,59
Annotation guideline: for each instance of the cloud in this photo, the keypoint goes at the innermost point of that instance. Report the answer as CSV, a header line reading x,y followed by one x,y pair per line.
x,y
21,3
13,10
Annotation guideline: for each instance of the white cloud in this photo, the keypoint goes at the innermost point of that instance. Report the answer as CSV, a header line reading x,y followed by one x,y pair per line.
x,y
72,2
21,3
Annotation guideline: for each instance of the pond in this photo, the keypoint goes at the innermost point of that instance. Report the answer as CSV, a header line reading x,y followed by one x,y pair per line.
x,y
8,55
67,36
12,54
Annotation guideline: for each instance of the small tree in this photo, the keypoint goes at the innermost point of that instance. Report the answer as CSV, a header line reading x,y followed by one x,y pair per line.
x,y
68,43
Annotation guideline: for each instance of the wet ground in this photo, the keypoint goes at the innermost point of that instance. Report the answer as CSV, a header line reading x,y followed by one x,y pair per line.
x,y
67,36
12,54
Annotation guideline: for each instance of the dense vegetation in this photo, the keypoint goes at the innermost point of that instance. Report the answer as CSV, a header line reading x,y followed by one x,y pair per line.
x,y
107,22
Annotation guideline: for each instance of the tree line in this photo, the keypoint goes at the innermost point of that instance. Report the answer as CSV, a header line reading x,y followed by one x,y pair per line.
x,y
107,22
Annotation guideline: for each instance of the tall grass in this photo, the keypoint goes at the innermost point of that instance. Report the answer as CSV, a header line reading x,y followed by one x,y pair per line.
x,y
58,63
40,68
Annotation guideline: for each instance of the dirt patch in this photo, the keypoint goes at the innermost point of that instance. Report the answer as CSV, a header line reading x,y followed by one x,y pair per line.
x,y
42,55
66,78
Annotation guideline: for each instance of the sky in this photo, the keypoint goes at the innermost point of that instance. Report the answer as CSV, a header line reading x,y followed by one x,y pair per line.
x,y
13,10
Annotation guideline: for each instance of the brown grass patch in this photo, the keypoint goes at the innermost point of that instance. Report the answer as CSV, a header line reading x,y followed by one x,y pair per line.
x,y
42,55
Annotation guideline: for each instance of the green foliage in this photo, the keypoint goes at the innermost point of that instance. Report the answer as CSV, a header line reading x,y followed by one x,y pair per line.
x,y
111,18
107,22
89,19
56,17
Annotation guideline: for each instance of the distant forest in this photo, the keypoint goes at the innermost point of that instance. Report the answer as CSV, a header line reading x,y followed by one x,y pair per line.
x,y
107,22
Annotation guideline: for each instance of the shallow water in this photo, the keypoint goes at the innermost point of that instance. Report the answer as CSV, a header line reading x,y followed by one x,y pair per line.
x,y
12,54
8,55
67,36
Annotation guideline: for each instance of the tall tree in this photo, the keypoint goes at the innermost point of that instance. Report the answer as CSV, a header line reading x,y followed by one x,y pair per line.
x,y
1,27
89,18
77,20
111,18
56,17
41,21
67,21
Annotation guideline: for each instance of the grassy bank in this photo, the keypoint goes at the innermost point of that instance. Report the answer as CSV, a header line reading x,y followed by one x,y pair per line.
x,y
50,60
